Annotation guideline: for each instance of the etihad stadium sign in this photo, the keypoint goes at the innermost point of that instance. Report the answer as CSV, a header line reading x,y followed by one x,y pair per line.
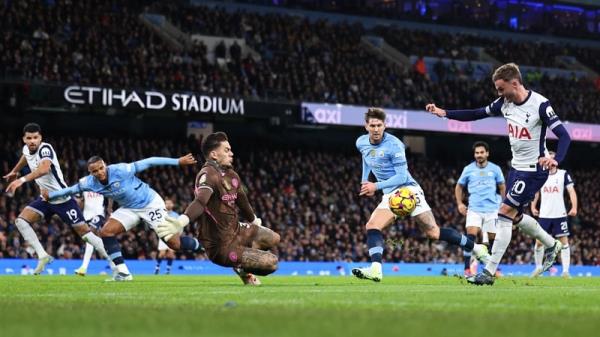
x,y
153,100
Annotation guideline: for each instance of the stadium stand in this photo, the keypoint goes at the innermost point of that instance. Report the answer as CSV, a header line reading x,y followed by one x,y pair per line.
x,y
300,60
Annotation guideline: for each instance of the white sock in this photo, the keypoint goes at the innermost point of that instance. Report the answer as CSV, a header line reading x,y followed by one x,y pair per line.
x,y
503,236
565,258
95,241
122,268
485,238
29,235
531,227
89,250
538,256
375,266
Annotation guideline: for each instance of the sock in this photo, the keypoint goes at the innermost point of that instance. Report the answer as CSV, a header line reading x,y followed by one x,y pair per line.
x,y
89,250
491,244
375,244
485,239
98,244
451,236
538,256
189,243
113,248
467,255
169,264
503,236
531,227
158,261
30,237
565,258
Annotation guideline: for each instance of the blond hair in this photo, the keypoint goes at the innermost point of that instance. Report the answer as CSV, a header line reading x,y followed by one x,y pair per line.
x,y
508,72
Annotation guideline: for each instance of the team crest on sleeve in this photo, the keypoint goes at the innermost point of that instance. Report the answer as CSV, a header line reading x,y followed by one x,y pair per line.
x,y
550,112
45,152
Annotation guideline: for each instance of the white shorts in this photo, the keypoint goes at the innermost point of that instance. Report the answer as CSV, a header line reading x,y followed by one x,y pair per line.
x,y
485,221
421,207
153,214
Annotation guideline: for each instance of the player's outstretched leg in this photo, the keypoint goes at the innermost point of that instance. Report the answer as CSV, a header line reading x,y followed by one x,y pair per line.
x,y
265,238
380,219
256,237
565,257
468,255
538,257
88,236
428,225
185,243
170,258
375,245
87,256
23,224
256,262
108,233
531,227
159,258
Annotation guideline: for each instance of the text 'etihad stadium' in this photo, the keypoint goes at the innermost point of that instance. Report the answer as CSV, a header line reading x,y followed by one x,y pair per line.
x,y
153,100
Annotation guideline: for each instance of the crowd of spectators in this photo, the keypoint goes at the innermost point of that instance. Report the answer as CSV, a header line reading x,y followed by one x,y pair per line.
x,y
320,61
312,203
105,43
526,17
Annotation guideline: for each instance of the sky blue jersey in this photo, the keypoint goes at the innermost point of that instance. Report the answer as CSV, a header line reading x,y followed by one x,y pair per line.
x,y
123,186
482,182
387,161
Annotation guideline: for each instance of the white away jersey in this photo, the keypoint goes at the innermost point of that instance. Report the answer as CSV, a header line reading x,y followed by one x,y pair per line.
x,y
53,181
552,195
527,124
93,205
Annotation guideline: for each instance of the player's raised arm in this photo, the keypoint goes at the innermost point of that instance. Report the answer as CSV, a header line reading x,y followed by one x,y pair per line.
x,y
551,120
71,190
147,163
469,114
43,169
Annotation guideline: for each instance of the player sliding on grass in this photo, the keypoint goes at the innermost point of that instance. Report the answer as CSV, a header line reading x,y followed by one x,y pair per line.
x,y
219,193
138,202
528,115
383,154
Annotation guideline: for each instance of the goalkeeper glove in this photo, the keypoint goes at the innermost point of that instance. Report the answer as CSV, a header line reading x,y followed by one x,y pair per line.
x,y
171,226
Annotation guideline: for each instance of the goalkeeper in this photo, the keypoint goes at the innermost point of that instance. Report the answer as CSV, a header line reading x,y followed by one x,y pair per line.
x,y
218,196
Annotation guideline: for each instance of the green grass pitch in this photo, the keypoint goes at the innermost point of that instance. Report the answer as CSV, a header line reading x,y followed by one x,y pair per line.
x,y
297,306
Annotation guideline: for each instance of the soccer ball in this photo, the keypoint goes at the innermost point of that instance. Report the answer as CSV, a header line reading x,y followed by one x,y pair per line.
x,y
402,202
